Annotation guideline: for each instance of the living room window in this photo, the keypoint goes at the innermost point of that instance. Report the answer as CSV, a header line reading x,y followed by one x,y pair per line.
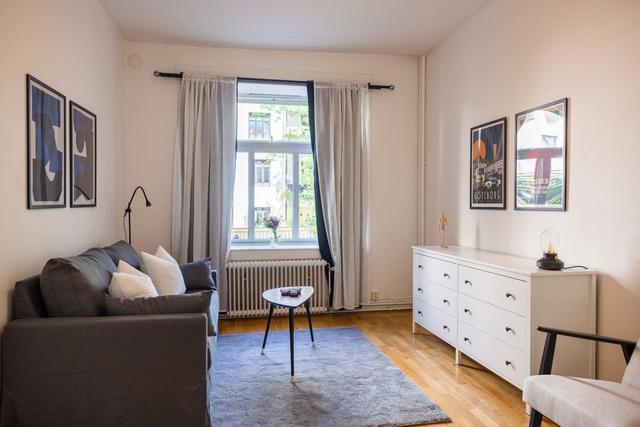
x,y
274,164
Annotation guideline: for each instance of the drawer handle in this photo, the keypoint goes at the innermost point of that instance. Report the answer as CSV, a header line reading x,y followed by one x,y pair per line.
x,y
419,312
445,327
510,295
420,267
508,329
419,289
466,310
467,339
446,275
466,282
508,363
445,301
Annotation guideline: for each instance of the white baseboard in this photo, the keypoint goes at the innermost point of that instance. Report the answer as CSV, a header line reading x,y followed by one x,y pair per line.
x,y
388,304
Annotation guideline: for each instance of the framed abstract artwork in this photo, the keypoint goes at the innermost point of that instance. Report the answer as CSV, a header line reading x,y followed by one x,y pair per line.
x,y
488,157
82,148
46,157
541,157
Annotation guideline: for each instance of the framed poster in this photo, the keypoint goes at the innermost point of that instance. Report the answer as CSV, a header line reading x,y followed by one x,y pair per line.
x,y
541,158
488,157
82,147
46,157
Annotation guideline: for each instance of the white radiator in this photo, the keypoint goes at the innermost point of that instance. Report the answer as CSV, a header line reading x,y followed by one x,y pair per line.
x,y
247,280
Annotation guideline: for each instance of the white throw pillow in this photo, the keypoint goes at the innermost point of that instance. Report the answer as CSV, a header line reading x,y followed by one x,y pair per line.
x,y
128,282
162,253
165,273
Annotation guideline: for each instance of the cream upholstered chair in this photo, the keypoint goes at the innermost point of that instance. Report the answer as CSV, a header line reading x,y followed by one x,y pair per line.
x,y
583,402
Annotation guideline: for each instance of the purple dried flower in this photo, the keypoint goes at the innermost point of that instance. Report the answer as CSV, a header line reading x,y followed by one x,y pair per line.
x,y
272,222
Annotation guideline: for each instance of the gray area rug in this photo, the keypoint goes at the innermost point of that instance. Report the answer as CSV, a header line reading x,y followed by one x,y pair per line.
x,y
343,381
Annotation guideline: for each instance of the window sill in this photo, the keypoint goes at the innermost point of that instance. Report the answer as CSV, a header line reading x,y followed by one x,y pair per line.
x,y
265,252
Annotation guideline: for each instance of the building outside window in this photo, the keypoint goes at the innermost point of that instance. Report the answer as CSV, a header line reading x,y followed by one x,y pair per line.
x,y
274,164
263,172
259,125
261,214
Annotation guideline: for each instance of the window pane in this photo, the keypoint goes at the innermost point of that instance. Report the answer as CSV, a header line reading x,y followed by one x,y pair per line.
x,y
307,215
241,198
268,116
276,195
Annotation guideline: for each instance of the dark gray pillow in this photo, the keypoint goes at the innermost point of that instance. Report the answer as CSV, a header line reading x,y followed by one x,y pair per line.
x,y
75,286
197,275
123,251
198,302
27,299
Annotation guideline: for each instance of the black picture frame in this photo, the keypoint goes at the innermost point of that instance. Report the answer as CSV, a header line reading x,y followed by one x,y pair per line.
x,y
88,192
519,179
52,145
500,165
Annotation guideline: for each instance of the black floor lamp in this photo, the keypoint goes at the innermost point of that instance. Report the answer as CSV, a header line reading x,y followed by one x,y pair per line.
x,y
127,211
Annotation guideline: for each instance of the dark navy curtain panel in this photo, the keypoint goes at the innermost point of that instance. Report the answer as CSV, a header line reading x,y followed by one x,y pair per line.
x,y
323,239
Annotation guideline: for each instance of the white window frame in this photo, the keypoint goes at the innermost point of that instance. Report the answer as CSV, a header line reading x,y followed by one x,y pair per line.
x,y
295,148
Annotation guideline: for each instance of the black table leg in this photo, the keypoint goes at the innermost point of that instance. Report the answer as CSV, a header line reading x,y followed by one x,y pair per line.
x,y
264,342
293,378
306,305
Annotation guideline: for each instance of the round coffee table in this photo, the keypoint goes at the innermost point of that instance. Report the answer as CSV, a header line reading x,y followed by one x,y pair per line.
x,y
275,298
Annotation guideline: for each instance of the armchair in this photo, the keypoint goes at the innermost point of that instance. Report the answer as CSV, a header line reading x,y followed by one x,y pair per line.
x,y
584,402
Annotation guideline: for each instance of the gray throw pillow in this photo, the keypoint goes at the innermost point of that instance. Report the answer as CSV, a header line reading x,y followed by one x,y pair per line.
x,y
75,286
198,302
123,251
198,276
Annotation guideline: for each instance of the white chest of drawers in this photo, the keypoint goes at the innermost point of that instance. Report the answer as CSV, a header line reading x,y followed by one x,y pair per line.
x,y
488,306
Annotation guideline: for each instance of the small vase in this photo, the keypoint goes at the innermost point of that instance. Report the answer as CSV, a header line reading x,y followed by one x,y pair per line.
x,y
274,240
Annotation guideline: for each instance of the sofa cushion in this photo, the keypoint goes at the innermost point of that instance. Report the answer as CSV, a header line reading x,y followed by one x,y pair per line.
x,y
75,286
27,299
583,402
123,251
164,272
197,275
128,282
199,302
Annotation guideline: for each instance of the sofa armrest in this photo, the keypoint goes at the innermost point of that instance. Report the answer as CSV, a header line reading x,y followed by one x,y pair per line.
x,y
120,370
550,345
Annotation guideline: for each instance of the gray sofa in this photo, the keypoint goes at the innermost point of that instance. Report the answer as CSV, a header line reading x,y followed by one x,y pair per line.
x,y
139,370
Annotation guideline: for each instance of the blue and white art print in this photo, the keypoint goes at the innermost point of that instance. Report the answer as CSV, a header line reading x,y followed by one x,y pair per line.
x,y
46,146
82,139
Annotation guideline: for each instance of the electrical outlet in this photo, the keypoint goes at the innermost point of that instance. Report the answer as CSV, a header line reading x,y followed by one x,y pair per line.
x,y
374,295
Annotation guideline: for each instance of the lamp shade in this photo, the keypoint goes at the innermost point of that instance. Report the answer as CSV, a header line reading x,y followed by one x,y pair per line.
x,y
550,241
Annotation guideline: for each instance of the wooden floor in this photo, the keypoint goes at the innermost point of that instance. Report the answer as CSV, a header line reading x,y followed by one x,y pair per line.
x,y
469,394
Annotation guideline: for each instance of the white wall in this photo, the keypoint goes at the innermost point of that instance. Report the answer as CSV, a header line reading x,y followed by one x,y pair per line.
x,y
73,46
514,55
150,120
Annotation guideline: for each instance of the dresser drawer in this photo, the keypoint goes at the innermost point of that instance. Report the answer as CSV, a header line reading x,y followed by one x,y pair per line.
x,y
495,355
442,272
419,265
504,325
505,292
435,321
438,296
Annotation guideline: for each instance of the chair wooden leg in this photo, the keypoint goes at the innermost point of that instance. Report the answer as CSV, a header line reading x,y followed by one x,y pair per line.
x,y
535,420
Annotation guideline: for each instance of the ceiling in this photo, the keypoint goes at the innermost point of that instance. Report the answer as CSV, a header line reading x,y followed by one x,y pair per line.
x,y
402,27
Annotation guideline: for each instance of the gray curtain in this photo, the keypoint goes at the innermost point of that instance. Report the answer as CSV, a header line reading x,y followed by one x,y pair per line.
x,y
203,171
342,116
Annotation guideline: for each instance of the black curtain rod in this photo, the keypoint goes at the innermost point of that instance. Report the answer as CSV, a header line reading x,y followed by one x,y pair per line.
x,y
179,76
